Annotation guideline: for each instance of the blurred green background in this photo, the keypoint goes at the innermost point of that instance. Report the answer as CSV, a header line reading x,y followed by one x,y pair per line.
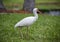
x,y
19,4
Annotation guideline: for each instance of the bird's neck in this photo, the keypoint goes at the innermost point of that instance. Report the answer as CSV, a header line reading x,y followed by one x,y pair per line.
x,y
35,14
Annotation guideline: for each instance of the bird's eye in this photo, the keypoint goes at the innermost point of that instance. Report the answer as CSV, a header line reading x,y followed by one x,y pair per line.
x,y
38,11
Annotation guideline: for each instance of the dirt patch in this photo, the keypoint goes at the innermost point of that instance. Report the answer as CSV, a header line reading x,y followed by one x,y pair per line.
x,y
13,11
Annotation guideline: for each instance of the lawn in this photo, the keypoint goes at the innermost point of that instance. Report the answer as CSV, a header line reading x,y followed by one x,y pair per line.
x,y
37,1
45,29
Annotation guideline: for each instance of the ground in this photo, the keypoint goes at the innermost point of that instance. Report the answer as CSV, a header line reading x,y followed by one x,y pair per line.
x,y
45,29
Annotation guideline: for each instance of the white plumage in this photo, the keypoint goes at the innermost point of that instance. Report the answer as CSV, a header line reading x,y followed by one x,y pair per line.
x,y
28,20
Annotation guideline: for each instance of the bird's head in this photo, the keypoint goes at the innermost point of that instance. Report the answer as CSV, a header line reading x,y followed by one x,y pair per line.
x,y
36,10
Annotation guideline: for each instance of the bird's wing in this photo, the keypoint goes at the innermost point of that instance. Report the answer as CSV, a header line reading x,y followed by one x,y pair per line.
x,y
26,21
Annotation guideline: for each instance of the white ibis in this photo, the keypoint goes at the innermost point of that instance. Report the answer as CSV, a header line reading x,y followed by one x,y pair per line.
x,y
26,22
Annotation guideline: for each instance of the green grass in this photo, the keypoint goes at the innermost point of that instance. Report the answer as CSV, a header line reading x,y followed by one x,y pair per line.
x,y
37,1
48,6
20,2
40,1
14,1
45,29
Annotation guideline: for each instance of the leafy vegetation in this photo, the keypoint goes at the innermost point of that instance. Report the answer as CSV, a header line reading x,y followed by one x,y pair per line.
x,y
45,29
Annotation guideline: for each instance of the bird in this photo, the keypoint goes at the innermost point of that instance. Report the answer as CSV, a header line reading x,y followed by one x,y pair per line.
x,y
26,22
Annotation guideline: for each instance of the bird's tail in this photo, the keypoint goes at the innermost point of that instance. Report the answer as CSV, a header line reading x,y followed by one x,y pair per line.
x,y
15,26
